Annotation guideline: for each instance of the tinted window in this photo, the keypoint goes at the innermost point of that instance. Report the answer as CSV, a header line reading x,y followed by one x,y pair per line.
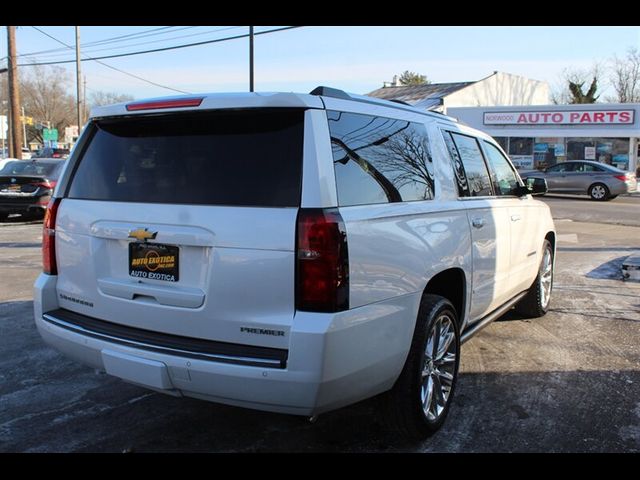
x,y
587,168
31,168
471,171
379,160
247,158
560,167
505,180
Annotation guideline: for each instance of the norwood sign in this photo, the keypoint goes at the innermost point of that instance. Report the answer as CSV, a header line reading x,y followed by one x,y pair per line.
x,y
555,117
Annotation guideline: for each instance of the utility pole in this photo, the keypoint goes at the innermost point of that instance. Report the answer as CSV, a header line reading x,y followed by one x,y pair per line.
x,y
78,80
24,128
14,97
251,58
85,113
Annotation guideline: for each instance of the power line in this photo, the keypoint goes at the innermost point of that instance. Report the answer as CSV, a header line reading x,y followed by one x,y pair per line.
x,y
107,40
165,48
111,67
112,48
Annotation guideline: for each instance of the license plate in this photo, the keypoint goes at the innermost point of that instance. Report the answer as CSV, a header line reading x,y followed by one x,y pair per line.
x,y
154,261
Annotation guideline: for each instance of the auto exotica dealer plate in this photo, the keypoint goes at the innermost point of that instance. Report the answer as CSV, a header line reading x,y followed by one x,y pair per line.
x,y
154,261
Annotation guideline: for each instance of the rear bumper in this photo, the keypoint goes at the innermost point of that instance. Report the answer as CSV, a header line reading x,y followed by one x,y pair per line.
x,y
621,188
23,205
333,359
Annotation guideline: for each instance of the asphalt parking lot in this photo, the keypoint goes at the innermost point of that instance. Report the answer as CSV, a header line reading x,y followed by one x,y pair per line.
x,y
568,382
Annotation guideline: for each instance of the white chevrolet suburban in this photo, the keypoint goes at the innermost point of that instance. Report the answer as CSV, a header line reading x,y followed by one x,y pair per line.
x,y
288,252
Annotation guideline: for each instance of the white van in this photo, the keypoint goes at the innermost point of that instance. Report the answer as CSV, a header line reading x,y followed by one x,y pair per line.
x,y
288,252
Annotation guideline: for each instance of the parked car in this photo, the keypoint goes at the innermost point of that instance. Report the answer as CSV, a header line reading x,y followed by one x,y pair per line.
x,y
287,252
49,152
26,186
598,180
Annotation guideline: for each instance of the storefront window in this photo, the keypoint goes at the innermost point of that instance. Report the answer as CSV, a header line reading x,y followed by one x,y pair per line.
x,y
503,142
520,146
548,151
612,151
521,152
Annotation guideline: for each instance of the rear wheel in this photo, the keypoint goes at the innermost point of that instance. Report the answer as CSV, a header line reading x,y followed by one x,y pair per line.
x,y
418,403
536,302
599,192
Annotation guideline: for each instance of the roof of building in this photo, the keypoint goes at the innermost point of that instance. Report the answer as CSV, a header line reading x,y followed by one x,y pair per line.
x,y
417,93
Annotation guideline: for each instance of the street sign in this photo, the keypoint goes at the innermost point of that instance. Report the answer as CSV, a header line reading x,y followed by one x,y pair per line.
x,y
50,134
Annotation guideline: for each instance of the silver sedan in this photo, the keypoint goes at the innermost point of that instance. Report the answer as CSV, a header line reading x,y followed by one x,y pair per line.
x,y
598,180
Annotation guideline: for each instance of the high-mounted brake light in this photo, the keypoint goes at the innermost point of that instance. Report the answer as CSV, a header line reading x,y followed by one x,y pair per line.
x,y
322,261
49,265
156,105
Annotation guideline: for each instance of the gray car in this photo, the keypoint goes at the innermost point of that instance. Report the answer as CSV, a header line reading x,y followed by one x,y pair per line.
x,y
598,180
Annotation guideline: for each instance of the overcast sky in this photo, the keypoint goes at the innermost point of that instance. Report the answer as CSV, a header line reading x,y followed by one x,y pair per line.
x,y
356,59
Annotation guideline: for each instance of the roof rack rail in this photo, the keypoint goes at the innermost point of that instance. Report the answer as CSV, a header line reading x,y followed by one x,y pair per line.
x,y
341,94
401,102
330,92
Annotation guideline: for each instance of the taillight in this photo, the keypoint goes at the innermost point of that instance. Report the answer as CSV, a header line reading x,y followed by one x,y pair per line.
x,y
622,178
45,184
322,261
49,238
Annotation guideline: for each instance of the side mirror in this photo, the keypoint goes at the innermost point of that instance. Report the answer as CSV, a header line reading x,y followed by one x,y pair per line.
x,y
535,185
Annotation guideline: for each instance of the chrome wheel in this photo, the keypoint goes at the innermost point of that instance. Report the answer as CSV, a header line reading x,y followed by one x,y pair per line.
x,y
439,367
598,192
546,278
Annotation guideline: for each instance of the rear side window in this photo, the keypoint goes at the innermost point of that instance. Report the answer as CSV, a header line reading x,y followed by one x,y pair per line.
x,y
380,160
242,158
505,181
470,169
587,167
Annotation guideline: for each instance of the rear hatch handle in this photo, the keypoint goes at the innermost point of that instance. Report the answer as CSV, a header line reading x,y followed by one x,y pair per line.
x,y
173,296
166,234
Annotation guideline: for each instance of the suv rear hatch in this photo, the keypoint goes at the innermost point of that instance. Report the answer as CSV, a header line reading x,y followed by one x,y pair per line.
x,y
184,224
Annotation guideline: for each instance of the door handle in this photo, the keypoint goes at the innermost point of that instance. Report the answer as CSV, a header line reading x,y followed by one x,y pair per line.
x,y
478,222
515,218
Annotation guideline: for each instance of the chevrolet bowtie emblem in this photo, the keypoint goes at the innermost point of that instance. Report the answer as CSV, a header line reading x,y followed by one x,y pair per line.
x,y
142,234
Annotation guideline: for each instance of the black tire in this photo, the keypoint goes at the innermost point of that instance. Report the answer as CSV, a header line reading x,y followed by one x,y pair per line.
x,y
402,407
599,192
536,303
3,217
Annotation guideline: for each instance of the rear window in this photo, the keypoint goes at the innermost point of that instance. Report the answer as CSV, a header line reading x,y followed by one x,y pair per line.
x,y
25,167
242,158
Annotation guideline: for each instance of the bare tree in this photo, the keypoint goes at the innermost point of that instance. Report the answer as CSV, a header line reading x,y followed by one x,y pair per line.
x,y
625,77
99,98
45,97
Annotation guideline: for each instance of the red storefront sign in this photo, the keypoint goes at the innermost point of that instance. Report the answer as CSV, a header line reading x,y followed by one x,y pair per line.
x,y
555,117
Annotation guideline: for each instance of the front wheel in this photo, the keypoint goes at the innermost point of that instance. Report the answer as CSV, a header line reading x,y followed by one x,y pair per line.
x,y
536,302
418,403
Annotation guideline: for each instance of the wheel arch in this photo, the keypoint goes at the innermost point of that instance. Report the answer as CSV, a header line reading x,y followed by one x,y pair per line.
x,y
551,237
452,285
